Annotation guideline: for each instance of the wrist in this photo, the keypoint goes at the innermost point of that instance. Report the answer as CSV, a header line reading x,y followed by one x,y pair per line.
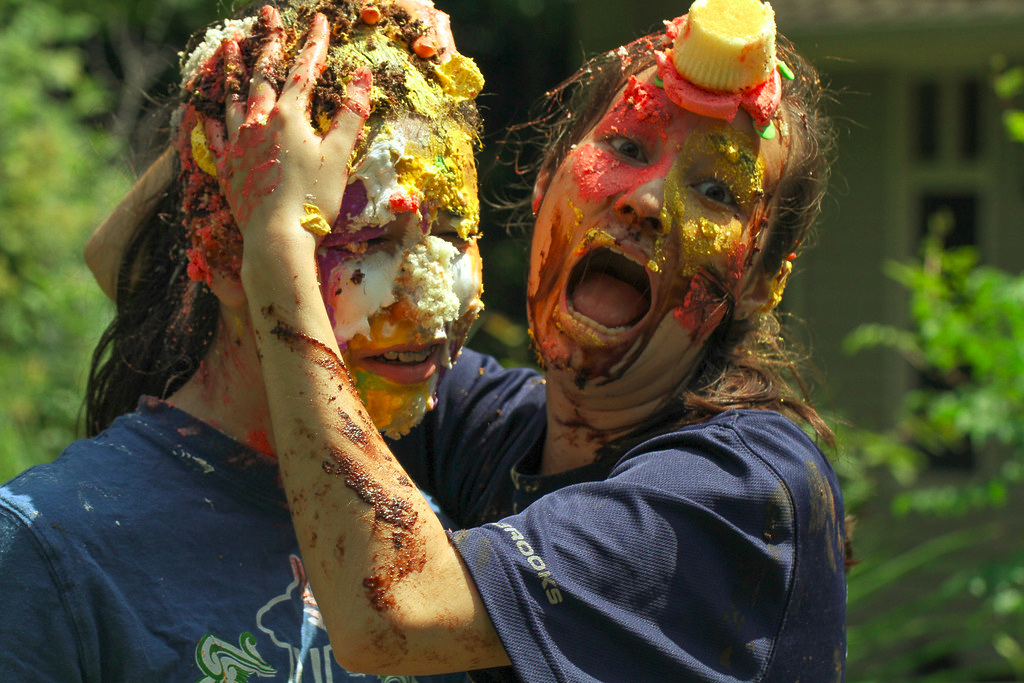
x,y
279,260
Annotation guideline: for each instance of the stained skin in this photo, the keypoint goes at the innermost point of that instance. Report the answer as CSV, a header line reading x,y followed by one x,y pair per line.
x,y
429,211
682,210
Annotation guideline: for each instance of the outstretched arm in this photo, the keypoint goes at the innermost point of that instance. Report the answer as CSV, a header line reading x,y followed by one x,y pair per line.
x,y
106,245
394,592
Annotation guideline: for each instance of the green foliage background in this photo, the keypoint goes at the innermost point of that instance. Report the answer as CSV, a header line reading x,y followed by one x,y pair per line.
x,y
950,606
56,179
75,101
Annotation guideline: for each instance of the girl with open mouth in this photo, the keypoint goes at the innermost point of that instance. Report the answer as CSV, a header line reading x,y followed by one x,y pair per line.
x,y
665,517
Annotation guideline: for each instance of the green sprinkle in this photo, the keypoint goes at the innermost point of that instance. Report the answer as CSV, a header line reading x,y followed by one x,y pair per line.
x,y
767,132
785,71
658,82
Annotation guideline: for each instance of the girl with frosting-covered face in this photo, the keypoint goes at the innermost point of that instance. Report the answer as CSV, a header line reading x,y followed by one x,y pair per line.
x,y
642,231
399,268
400,272
654,451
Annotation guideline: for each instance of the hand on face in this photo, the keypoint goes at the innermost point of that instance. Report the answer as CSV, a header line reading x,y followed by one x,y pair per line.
x,y
270,160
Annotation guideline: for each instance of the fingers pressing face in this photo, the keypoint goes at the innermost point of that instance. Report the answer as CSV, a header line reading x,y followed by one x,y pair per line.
x,y
265,152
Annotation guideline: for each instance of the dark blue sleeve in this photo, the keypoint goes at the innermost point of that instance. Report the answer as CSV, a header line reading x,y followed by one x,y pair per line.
x,y
37,637
679,566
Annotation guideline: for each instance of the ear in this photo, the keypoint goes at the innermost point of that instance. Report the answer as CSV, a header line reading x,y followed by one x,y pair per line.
x,y
228,288
762,293
540,188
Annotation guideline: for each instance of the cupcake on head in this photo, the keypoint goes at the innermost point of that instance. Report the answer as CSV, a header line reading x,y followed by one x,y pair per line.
x,y
723,58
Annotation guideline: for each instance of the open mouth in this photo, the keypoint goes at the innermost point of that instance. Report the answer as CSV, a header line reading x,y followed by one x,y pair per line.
x,y
402,366
609,289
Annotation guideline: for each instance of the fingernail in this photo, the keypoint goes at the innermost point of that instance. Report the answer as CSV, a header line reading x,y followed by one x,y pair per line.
x,y
370,15
424,47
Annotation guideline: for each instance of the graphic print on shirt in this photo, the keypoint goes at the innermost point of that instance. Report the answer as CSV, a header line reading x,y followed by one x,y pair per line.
x,y
223,663
536,562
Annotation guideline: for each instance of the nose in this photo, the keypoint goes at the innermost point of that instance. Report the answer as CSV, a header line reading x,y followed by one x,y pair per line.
x,y
641,205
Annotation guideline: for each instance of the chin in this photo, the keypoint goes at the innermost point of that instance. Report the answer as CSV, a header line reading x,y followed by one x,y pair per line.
x,y
394,408
647,365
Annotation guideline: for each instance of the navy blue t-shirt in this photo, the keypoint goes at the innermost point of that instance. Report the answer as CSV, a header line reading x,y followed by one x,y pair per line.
x,y
710,553
161,550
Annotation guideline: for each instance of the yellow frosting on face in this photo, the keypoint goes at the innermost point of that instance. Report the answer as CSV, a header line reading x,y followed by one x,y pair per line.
x,y
594,239
461,197
738,164
438,167
704,241
314,221
577,212
444,175
201,151
778,286
394,325
460,78
723,156
394,408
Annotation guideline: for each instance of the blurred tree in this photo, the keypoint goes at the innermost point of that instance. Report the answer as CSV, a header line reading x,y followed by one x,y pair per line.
x,y
966,342
55,181
79,87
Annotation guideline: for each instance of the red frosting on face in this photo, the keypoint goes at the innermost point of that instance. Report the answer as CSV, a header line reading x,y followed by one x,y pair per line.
x,y
704,305
403,203
702,310
647,101
639,115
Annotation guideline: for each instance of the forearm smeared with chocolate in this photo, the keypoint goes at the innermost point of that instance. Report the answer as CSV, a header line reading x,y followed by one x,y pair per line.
x,y
339,474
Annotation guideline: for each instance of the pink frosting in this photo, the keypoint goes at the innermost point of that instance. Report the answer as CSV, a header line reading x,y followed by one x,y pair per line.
x,y
760,101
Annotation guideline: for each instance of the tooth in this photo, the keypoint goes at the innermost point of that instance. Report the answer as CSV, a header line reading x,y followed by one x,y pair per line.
x,y
407,356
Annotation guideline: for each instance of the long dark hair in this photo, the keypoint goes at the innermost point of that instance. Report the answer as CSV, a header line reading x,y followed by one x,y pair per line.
x,y
747,363
163,325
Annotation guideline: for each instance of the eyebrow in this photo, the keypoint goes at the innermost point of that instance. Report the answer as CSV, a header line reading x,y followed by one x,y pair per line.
x,y
732,147
735,159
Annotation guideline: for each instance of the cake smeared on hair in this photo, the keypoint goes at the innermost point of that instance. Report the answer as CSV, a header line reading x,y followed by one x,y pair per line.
x,y
439,88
